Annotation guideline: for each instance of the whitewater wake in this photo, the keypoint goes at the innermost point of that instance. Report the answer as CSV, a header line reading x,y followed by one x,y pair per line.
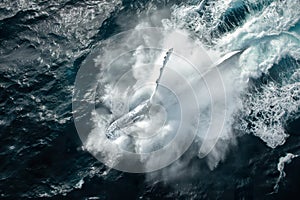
x,y
268,31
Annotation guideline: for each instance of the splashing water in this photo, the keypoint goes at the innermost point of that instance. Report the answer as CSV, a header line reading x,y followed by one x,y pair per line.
x,y
253,92
266,33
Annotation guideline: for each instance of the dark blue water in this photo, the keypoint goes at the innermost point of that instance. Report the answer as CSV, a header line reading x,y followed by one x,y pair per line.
x,y
42,46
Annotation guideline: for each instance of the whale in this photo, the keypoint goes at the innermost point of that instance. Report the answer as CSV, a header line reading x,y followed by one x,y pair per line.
x,y
140,111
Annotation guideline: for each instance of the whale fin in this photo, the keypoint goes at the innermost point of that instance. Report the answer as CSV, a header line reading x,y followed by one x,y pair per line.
x,y
138,112
166,59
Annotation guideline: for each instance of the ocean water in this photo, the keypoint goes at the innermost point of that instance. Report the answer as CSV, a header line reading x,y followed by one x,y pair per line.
x,y
44,44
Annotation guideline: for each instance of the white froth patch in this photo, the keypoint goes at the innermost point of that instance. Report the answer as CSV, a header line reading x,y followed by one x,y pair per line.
x,y
267,112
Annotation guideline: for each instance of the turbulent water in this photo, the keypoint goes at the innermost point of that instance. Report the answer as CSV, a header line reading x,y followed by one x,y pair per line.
x,y
44,44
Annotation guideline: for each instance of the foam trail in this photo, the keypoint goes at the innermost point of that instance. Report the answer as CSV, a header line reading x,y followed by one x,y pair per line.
x,y
138,112
280,167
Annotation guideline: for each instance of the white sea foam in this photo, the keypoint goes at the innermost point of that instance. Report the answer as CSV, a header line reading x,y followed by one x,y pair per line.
x,y
264,39
280,167
268,111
